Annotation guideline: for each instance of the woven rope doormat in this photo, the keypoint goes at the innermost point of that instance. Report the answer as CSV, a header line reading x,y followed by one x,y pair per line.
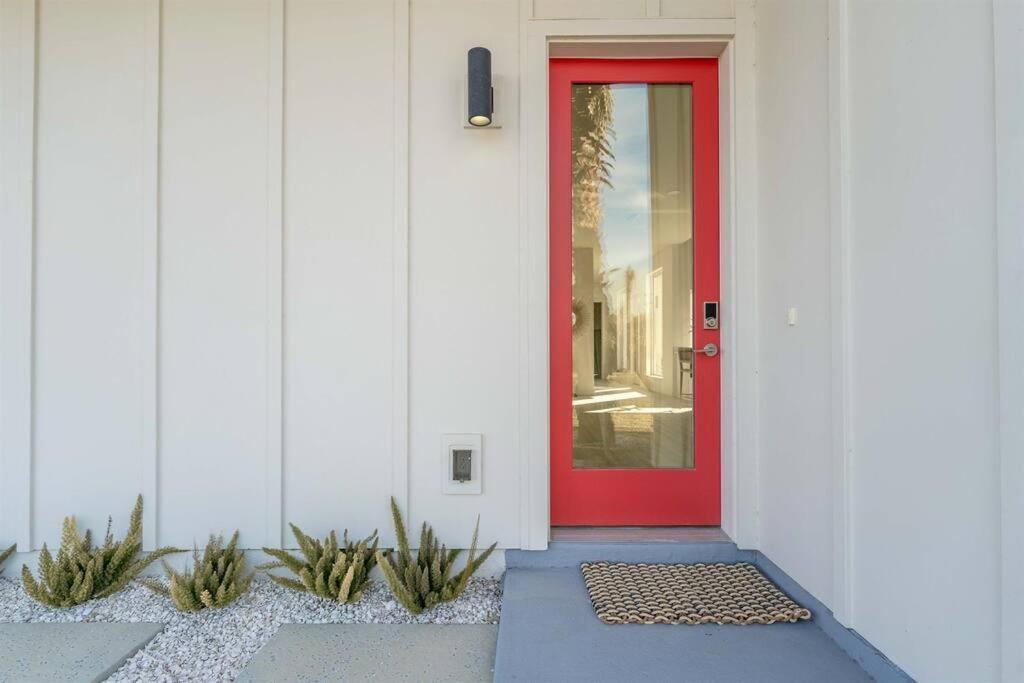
x,y
686,594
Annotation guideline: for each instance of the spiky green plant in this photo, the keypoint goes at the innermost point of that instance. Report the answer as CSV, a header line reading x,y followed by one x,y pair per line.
x,y
4,554
334,571
81,571
217,578
425,581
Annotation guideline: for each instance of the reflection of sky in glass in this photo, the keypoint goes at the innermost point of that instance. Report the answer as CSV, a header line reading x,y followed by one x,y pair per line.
x,y
627,205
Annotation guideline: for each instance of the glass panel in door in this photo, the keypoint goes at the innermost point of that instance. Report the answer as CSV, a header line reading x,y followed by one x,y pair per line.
x,y
632,276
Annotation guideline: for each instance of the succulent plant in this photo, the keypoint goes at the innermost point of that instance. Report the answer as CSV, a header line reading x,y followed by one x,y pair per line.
x,y
423,582
331,570
217,578
82,571
4,554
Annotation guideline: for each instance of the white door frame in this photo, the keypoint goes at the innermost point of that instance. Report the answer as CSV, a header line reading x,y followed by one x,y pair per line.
x,y
732,41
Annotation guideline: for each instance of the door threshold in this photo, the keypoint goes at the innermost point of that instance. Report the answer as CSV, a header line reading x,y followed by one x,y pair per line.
x,y
639,534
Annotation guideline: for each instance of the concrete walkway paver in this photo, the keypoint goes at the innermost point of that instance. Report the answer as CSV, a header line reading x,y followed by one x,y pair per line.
x,y
549,632
78,652
376,652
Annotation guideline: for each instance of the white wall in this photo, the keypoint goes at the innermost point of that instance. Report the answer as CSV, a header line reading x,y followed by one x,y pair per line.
x,y
923,488
214,141
793,270
339,208
265,344
88,262
926,473
464,274
216,283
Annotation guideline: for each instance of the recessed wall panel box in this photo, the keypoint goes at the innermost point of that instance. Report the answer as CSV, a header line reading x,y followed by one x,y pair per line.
x,y
462,464
461,460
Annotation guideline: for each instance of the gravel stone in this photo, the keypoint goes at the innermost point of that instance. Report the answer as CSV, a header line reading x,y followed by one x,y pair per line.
x,y
215,645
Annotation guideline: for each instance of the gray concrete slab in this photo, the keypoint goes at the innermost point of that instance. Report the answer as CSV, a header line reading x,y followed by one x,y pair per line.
x,y
69,652
376,652
549,632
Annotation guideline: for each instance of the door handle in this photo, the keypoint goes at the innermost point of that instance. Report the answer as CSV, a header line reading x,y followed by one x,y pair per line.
x,y
710,350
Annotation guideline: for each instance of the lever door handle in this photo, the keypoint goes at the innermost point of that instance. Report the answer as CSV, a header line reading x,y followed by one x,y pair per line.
x,y
710,350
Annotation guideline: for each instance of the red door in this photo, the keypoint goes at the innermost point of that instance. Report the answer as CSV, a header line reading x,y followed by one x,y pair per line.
x,y
635,377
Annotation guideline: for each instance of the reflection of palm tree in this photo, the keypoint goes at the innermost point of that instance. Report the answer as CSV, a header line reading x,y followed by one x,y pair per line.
x,y
591,169
591,151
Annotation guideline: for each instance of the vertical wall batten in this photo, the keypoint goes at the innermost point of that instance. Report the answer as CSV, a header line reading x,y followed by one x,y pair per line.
x,y
400,265
523,376
1008,27
151,276
842,371
535,446
744,337
727,247
18,38
275,273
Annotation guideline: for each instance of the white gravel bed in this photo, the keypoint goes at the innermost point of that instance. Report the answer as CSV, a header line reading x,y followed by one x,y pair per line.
x,y
215,645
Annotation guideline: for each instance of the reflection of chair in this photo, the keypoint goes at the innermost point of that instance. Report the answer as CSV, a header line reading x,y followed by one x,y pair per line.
x,y
684,356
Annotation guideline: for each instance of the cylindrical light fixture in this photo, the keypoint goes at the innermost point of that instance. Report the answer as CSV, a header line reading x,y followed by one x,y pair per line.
x,y
480,94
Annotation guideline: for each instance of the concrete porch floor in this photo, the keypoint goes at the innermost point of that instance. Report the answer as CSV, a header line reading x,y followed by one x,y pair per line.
x,y
549,632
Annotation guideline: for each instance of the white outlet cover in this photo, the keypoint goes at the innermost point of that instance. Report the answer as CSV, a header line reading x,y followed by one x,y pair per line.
x,y
791,316
473,442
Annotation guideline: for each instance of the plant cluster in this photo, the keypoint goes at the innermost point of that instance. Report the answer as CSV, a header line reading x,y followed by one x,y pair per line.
x,y
330,570
423,582
217,578
4,554
82,571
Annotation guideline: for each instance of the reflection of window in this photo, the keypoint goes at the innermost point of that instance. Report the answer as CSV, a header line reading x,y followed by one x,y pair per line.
x,y
655,302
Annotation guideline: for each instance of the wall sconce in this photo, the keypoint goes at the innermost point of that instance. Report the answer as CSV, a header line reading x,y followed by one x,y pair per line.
x,y
479,90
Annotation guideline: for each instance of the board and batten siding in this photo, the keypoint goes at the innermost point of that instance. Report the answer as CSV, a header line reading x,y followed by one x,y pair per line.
x,y
214,206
